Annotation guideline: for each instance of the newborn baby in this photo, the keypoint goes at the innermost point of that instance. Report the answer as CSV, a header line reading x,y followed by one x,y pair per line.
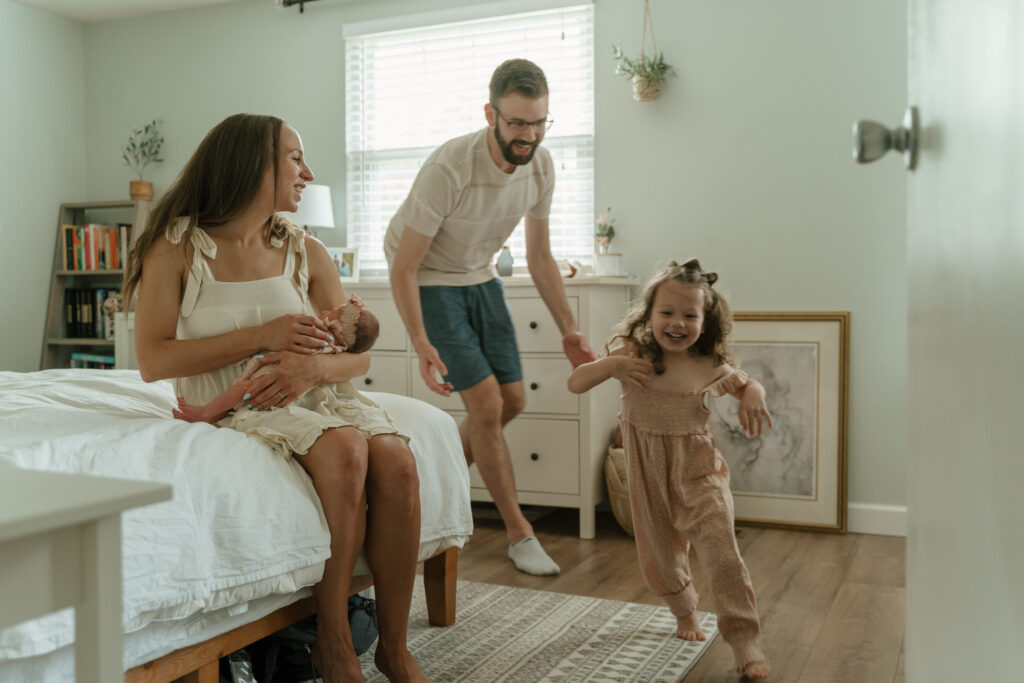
x,y
355,330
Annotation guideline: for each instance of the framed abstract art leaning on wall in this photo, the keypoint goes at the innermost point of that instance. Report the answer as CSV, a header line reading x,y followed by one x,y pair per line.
x,y
793,475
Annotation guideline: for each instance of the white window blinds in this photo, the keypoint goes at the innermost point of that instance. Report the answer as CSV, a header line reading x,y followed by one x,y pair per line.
x,y
408,91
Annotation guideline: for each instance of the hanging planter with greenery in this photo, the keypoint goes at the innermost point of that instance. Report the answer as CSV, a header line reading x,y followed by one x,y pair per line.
x,y
648,73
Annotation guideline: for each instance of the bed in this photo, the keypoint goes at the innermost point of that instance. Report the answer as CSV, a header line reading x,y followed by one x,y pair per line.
x,y
232,556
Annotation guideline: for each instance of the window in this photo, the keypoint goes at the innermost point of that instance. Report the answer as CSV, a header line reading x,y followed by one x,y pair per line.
x,y
407,91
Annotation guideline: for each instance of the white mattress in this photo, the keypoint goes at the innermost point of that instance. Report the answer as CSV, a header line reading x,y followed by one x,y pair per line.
x,y
243,523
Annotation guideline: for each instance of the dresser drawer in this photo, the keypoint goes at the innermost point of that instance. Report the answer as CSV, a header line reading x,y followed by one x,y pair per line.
x,y
544,382
536,330
387,373
545,456
392,331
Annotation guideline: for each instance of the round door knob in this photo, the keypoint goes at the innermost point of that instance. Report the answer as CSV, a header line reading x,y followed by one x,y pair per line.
x,y
534,456
368,381
533,324
534,386
871,140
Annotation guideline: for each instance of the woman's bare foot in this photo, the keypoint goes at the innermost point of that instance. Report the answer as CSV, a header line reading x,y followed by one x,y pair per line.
x,y
688,628
398,665
340,667
756,670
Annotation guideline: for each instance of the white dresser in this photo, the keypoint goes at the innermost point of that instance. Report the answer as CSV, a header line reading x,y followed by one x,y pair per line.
x,y
559,442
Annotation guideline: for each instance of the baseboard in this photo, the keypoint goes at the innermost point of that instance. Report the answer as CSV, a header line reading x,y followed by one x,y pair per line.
x,y
884,520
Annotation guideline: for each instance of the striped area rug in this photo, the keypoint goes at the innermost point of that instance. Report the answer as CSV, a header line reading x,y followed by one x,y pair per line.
x,y
528,636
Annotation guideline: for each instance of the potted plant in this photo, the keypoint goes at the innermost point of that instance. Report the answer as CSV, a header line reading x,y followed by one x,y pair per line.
x,y
604,231
605,262
648,73
143,148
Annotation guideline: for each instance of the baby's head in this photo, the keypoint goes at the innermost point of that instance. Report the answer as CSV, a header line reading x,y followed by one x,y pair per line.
x,y
680,286
354,326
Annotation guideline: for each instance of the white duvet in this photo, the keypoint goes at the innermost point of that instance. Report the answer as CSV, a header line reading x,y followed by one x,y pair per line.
x,y
243,522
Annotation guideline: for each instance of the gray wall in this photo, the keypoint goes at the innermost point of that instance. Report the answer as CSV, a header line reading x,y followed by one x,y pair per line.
x,y
42,135
744,161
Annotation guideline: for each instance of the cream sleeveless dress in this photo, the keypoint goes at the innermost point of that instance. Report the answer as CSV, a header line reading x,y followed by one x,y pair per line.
x,y
209,308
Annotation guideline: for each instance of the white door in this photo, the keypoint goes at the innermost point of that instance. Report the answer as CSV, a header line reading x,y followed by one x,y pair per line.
x,y
965,500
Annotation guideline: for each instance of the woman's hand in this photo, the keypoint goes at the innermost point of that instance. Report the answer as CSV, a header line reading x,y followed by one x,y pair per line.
x,y
294,375
295,333
753,409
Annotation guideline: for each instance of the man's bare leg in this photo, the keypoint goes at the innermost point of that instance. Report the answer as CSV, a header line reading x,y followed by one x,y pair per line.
x,y
489,408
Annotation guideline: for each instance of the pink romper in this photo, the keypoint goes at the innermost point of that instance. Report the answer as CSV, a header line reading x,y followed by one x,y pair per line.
x,y
679,494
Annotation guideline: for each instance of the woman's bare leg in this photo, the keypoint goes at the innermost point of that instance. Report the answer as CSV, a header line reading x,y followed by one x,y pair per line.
x,y
337,462
392,544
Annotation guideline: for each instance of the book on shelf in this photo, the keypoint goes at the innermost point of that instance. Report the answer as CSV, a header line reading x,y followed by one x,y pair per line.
x,y
95,246
91,360
84,316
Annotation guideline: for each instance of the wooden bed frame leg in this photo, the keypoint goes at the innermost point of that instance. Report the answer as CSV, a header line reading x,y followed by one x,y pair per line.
x,y
439,575
207,673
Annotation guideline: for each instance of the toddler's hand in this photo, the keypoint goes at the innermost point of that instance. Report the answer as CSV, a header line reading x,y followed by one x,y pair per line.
x,y
754,411
630,370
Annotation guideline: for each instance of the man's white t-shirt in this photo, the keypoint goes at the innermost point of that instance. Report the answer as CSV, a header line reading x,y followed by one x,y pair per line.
x,y
469,207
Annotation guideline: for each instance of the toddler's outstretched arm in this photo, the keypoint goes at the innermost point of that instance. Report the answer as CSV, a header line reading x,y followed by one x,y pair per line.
x,y
223,404
619,364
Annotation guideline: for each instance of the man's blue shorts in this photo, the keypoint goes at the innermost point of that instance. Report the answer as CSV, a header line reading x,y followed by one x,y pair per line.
x,y
471,328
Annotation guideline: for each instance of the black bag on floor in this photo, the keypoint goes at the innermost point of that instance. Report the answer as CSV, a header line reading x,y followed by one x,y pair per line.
x,y
286,656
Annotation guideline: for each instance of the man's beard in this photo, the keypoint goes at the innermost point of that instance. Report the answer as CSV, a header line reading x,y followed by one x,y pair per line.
x,y
510,156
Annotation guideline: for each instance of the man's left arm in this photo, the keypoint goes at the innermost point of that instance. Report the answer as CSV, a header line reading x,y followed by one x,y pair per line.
x,y
544,271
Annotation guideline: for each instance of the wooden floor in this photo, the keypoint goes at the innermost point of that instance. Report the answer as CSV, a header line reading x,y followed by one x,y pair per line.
x,y
832,607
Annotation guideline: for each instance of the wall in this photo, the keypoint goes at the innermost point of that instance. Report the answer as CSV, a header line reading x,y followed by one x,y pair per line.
x,y
42,134
744,162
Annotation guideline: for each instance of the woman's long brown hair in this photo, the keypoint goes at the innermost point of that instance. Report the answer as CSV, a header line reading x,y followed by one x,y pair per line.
x,y
220,180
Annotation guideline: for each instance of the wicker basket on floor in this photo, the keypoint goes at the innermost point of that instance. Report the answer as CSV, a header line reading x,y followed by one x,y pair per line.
x,y
618,489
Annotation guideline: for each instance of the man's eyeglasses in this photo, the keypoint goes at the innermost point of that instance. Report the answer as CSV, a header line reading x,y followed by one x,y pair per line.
x,y
520,126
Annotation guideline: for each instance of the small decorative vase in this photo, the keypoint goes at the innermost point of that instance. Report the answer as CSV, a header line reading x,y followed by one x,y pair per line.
x,y
608,265
505,262
140,189
602,247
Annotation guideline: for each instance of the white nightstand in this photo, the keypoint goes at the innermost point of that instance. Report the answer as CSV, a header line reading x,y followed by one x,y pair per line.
x,y
60,546
559,442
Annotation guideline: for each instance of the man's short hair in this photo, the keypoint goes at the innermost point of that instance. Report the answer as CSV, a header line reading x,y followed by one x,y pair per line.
x,y
518,75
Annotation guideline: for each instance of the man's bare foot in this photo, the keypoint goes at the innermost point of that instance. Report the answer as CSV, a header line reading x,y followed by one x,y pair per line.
x,y
337,668
756,670
688,628
398,665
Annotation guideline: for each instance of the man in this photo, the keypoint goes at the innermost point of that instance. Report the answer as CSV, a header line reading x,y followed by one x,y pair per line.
x,y
466,200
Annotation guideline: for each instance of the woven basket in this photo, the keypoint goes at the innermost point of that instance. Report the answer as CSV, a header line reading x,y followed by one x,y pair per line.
x,y
645,90
618,489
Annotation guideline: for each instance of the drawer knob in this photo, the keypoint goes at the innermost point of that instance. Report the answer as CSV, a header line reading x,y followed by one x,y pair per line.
x,y
533,324
534,386
534,456
368,381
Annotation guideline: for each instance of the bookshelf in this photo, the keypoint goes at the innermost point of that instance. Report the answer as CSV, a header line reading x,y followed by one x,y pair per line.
x,y
58,341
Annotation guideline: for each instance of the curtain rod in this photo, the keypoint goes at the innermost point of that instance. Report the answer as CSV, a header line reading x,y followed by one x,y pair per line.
x,y
288,3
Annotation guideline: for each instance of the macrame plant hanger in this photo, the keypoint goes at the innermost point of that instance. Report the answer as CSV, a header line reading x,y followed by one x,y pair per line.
x,y
647,89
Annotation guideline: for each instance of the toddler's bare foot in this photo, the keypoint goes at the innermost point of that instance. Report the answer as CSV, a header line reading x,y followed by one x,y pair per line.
x,y
756,670
398,665
688,628
336,667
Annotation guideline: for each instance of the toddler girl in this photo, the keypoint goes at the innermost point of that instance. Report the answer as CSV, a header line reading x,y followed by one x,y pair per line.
x,y
673,355
354,329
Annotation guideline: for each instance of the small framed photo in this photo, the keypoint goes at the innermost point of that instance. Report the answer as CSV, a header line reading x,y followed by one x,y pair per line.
x,y
346,262
794,475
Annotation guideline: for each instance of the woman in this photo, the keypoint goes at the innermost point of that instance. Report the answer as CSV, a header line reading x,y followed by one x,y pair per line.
x,y
220,278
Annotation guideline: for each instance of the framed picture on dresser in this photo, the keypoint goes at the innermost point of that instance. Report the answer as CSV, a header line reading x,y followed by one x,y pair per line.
x,y
793,475
346,261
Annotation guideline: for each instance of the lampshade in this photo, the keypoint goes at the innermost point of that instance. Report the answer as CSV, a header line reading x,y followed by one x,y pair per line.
x,y
315,209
